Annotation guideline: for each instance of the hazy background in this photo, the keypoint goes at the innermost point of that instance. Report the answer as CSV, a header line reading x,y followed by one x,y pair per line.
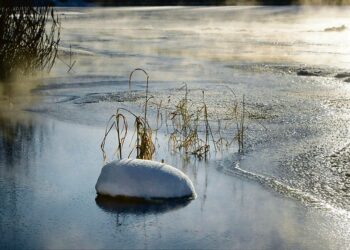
x,y
196,2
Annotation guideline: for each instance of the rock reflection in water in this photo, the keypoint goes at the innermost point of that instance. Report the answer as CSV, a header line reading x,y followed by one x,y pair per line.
x,y
123,205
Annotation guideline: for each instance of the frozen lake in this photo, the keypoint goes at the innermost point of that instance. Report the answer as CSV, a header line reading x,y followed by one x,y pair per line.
x,y
291,188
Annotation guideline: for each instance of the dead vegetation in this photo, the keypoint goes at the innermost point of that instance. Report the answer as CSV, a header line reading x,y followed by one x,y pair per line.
x,y
187,135
192,127
142,137
70,64
236,114
188,127
29,37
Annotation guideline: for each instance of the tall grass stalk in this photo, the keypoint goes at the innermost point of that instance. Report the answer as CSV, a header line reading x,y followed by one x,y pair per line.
x,y
143,143
187,122
29,37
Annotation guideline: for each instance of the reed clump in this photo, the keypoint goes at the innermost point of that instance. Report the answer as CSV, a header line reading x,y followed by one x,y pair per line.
x,y
187,127
29,37
141,140
143,143
240,119
236,113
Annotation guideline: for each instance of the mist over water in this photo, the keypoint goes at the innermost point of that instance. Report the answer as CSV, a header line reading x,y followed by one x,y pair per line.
x,y
290,188
191,37
260,52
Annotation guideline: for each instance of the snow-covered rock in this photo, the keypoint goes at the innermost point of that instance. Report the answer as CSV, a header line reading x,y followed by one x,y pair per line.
x,y
143,179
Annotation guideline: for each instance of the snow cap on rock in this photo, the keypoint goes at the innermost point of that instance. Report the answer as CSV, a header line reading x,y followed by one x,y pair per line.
x,y
143,179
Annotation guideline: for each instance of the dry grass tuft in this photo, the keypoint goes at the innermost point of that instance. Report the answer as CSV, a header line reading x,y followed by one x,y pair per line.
x,y
237,113
29,37
143,143
187,123
190,131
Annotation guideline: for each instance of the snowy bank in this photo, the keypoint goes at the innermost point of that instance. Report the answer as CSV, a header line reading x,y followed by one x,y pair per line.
x,y
143,179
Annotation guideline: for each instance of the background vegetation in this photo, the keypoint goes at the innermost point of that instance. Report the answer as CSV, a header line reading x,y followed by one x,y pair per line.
x,y
29,37
215,2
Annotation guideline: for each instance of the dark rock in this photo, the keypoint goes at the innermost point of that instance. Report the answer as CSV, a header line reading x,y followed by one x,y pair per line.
x,y
347,80
304,72
342,75
337,29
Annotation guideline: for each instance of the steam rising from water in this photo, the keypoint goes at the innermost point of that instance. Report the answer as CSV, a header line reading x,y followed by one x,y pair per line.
x,y
198,44
184,38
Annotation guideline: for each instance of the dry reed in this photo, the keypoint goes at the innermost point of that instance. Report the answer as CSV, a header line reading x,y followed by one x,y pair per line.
x,y
29,37
143,143
186,135
191,127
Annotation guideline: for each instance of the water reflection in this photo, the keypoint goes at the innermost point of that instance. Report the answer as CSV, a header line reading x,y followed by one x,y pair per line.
x,y
21,138
138,206
57,188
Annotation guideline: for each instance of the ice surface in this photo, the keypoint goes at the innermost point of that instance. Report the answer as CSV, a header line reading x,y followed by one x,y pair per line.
x,y
143,179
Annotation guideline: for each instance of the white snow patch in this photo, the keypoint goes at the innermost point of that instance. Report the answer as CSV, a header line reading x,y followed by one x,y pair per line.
x,y
143,179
